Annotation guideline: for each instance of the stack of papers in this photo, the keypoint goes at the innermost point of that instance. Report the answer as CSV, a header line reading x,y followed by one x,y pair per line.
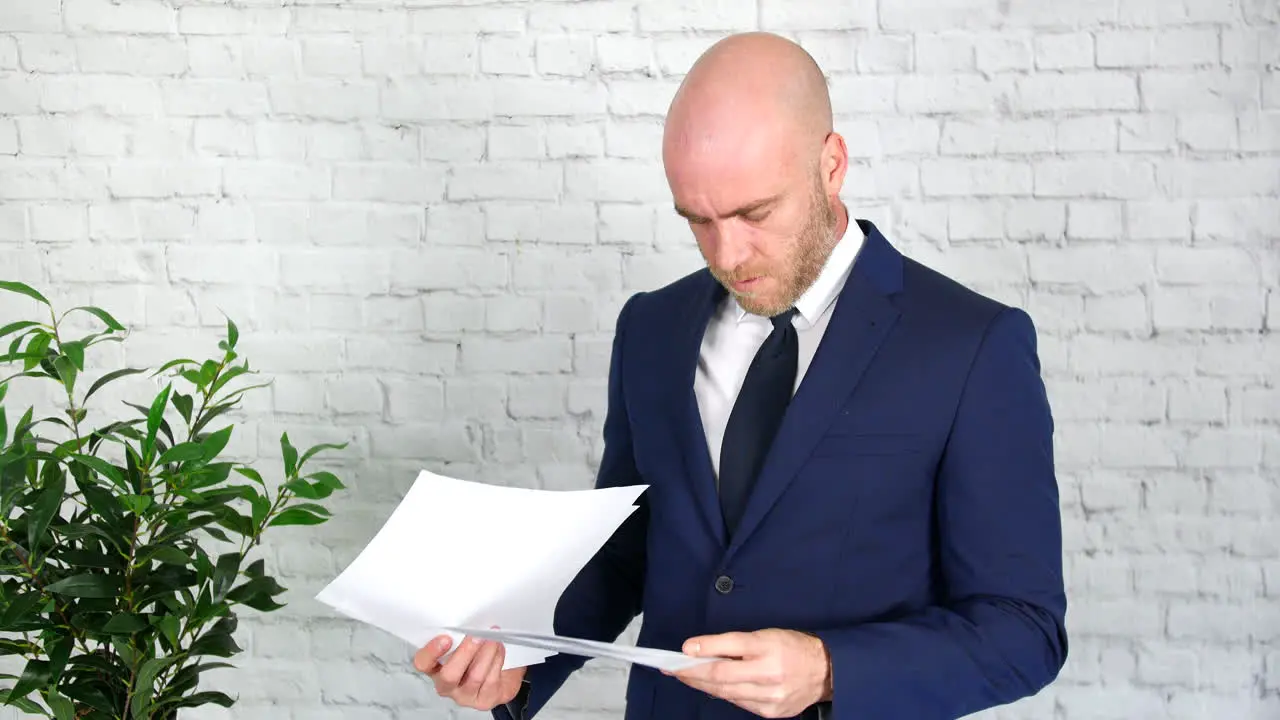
x,y
461,558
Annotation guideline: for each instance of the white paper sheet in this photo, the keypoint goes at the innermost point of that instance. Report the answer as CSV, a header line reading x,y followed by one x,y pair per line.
x,y
652,657
456,553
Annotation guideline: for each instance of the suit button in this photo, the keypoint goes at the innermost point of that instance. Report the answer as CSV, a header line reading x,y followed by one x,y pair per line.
x,y
724,584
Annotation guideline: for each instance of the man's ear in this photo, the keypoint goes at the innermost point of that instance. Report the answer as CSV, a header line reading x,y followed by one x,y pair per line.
x,y
835,163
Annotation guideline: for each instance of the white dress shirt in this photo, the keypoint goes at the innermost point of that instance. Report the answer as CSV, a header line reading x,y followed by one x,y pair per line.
x,y
733,336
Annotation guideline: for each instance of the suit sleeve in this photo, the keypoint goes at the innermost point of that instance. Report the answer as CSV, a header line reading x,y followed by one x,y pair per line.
x,y
998,634
605,596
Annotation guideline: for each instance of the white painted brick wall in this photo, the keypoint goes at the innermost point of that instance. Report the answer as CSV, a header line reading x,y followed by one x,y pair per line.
x,y
424,215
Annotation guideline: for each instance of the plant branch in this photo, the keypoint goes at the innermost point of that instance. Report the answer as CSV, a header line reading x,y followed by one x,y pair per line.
x,y
40,586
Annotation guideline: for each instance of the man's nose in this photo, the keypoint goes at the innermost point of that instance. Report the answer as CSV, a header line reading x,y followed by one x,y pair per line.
x,y
732,248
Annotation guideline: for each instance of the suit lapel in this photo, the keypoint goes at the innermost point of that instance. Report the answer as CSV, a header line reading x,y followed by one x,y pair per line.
x,y
862,318
689,430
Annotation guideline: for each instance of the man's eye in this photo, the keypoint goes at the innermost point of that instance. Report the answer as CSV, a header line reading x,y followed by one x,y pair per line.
x,y
756,217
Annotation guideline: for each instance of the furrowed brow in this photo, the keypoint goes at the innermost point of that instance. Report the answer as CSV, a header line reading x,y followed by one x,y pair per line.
x,y
744,210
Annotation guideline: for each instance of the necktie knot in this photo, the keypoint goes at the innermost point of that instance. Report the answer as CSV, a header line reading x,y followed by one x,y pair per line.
x,y
783,319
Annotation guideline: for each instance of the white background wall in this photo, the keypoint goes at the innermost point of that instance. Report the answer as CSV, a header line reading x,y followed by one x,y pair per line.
x,y
424,215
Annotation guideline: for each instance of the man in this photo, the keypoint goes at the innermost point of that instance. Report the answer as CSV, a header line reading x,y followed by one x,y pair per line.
x,y
896,552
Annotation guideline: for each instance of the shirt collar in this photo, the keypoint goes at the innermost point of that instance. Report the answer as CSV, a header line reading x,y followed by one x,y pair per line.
x,y
817,299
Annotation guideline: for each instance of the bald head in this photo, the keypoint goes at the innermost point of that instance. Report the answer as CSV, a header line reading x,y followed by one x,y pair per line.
x,y
750,84
755,167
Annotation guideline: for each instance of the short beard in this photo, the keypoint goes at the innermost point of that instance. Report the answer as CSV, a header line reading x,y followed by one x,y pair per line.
x,y
808,255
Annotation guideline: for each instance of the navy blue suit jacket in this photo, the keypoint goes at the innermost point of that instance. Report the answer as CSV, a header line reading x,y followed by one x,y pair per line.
x,y
907,513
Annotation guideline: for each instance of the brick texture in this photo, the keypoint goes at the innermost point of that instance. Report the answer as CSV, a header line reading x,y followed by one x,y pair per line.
x,y
424,215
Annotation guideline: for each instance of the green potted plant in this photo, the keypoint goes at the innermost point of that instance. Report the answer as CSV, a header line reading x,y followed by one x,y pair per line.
x,y
126,544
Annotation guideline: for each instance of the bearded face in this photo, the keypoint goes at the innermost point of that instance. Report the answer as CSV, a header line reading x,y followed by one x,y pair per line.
x,y
768,252
771,282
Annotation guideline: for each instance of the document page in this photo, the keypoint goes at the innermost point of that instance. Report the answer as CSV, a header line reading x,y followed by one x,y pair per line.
x,y
652,657
460,554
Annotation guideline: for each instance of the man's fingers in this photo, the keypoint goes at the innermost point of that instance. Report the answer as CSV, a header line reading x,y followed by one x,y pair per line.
x,y
732,645
733,692
427,659
456,666
729,672
479,669
491,688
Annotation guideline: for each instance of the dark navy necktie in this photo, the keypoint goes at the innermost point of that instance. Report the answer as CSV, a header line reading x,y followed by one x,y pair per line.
x,y
756,415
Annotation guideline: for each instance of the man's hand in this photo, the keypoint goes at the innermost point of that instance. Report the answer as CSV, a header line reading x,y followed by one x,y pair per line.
x,y
772,673
472,676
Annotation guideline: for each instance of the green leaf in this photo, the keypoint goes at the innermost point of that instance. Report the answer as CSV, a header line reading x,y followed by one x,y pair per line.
x,y
209,475
231,398
63,708
125,623
101,314
168,554
85,585
252,475
227,376
136,504
144,687
257,594
234,521
256,569
23,289
312,508
216,442
170,625
66,370
327,479
109,509
113,375
19,608
37,349
173,364
261,506
12,484
216,644
103,468
16,326
184,405
59,652
77,415
85,530
74,350
24,704
304,489
319,448
290,456
85,558
295,516
224,575
34,677
217,534
207,697
208,369
186,679
180,453
10,646
23,425
4,420
91,621
154,416
233,333
48,500
89,694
